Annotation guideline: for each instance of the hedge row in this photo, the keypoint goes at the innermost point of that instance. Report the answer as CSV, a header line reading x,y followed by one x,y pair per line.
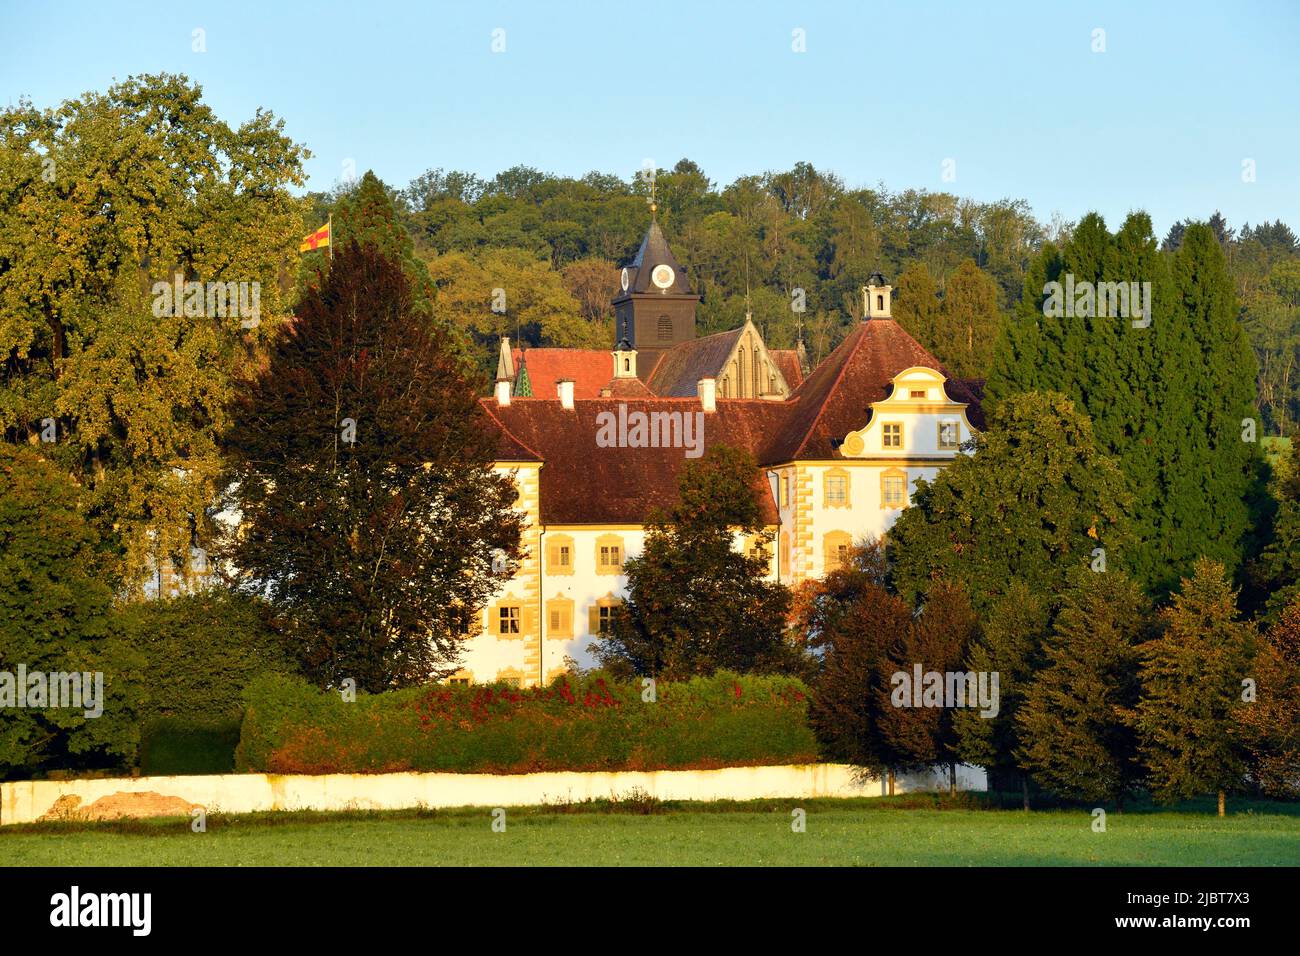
x,y
576,723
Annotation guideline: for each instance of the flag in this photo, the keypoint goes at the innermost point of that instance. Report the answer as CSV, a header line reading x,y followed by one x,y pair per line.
x,y
318,239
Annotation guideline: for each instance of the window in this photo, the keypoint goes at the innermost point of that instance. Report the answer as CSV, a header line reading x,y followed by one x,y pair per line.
x,y
559,554
600,616
785,490
948,435
917,394
609,554
511,618
891,435
835,486
627,365
665,329
559,617
836,546
893,489
511,677
880,303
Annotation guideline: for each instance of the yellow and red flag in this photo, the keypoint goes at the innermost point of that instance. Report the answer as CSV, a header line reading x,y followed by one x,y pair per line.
x,y
319,239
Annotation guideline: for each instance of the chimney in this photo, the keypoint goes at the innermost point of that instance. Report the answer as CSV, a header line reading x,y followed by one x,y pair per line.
x,y
565,388
707,389
503,393
506,360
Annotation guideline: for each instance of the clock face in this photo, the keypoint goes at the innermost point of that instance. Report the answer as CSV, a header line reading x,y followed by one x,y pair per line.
x,y
624,280
662,276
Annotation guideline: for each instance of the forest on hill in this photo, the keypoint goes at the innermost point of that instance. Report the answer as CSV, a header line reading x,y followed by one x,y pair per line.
x,y
772,241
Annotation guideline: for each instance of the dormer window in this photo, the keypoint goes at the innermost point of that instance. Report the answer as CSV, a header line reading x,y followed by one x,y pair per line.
x,y
917,394
891,435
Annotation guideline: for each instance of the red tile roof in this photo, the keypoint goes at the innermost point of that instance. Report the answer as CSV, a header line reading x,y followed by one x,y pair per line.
x,y
583,483
589,369
836,398
787,361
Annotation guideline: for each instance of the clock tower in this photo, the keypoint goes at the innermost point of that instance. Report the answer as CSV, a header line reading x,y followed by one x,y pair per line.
x,y
655,308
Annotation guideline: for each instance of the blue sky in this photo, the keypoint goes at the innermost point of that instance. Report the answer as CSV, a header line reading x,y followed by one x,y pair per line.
x,y
885,92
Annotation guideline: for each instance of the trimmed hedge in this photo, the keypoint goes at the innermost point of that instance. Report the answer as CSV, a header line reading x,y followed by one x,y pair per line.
x,y
181,746
199,653
577,723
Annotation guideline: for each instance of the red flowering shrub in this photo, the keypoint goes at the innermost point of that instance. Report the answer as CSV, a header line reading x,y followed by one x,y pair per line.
x,y
589,723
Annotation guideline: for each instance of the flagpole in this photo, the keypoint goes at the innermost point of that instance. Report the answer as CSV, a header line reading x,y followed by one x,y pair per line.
x,y
331,223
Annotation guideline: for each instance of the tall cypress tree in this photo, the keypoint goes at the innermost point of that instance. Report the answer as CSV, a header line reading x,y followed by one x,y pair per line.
x,y
1167,399
1209,374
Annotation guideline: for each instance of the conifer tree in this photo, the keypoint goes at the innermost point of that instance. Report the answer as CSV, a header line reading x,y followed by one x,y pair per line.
x,y
1074,737
1270,724
1010,644
1206,448
916,306
1192,691
969,319
959,329
1277,572
1167,399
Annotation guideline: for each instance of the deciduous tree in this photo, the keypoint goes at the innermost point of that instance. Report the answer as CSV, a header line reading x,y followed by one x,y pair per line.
x,y
373,521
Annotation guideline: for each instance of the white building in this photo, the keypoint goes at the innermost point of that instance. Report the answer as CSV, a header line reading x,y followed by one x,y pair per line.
x,y
840,452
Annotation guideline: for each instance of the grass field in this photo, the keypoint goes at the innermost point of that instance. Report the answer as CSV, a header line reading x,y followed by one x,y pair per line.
x,y
917,830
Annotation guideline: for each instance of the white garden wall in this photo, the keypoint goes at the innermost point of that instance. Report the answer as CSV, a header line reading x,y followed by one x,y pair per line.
x,y
32,800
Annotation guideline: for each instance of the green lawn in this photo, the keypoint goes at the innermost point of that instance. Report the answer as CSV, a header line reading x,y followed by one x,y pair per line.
x,y
890,832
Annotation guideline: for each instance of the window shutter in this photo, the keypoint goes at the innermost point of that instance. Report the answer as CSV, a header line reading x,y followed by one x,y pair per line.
x,y
593,619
